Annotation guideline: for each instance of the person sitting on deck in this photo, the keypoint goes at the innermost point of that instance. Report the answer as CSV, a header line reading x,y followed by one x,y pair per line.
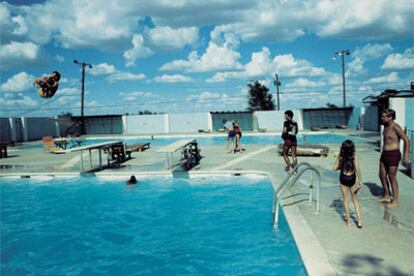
x,y
48,85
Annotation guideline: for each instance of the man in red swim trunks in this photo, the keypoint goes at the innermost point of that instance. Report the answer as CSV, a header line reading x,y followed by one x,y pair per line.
x,y
391,156
290,130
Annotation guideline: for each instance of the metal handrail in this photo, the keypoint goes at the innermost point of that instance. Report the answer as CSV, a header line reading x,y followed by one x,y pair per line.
x,y
278,194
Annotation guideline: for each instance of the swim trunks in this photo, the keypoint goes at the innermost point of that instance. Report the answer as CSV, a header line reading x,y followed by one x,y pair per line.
x,y
347,180
288,144
391,158
232,133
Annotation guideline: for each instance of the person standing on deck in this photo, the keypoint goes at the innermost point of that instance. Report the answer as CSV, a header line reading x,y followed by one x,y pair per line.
x,y
290,130
391,156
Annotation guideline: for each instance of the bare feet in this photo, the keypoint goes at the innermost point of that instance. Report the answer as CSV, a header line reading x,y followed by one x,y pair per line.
x,y
385,200
359,225
356,188
393,204
348,222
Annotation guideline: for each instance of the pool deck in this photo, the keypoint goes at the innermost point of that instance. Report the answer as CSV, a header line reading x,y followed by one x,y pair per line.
x,y
384,246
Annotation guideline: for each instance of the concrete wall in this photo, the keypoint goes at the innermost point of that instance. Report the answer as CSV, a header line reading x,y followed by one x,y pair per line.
x,y
103,125
190,122
326,117
409,113
5,133
355,118
244,119
36,128
398,104
370,118
146,124
273,120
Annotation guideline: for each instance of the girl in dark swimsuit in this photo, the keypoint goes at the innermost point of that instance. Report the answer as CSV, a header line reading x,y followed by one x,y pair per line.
x,y
347,163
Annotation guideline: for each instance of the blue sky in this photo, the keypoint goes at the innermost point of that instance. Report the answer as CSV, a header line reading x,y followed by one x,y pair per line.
x,y
198,56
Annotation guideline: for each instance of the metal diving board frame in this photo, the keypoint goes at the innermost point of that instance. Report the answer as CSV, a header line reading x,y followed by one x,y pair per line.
x,y
100,147
172,149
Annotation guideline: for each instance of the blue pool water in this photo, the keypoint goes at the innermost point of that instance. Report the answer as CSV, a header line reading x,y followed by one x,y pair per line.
x,y
89,226
326,138
246,139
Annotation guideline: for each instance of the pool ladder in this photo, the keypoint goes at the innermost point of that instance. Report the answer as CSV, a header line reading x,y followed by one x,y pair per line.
x,y
289,181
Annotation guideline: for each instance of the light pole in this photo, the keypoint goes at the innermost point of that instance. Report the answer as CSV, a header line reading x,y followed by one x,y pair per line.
x,y
342,54
277,83
83,64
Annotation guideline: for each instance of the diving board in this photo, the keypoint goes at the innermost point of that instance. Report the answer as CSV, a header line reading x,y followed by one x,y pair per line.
x,y
179,147
105,146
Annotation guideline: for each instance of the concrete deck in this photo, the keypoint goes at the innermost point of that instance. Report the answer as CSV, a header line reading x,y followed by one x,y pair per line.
x,y
384,246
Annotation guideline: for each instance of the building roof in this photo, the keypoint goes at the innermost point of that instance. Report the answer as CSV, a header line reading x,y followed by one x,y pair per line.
x,y
388,93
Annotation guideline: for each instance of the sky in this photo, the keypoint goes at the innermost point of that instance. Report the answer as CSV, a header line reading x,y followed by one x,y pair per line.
x,y
187,56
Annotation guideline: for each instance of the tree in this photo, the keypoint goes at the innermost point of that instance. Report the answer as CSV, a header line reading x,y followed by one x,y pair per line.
x,y
259,98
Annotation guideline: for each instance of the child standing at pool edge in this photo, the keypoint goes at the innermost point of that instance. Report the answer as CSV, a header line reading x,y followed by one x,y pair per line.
x,y
347,163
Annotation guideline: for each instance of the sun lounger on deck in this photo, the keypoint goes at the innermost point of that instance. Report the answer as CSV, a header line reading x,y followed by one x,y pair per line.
x,y
308,150
49,145
137,147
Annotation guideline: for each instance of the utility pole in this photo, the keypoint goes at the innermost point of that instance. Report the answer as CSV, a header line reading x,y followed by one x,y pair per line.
x,y
342,54
277,83
83,64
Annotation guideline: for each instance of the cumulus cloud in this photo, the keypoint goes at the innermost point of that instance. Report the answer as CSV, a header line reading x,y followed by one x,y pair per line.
x,y
165,38
172,78
134,95
125,76
102,69
18,83
215,58
112,25
137,51
302,82
19,54
367,53
261,65
390,78
399,61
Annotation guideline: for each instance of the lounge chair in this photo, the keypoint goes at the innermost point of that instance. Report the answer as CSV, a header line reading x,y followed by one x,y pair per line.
x,y
49,145
138,147
308,150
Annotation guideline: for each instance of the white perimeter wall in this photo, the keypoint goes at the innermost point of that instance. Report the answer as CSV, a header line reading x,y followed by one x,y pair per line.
x,y
145,124
189,122
273,120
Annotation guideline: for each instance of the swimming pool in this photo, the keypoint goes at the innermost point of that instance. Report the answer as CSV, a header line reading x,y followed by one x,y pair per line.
x,y
95,226
326,138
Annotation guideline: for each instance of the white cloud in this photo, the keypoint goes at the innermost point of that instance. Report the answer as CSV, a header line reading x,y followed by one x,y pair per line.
x,y
302,82
102,69
134,96
400,61
173,78
16,100
60,58
168,39
390,78
137,51
18,83
19,54
215,58
261,65
367,53
125,76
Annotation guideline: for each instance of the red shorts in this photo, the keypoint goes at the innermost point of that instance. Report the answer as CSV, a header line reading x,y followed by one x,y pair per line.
x,y
288,144
391,158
